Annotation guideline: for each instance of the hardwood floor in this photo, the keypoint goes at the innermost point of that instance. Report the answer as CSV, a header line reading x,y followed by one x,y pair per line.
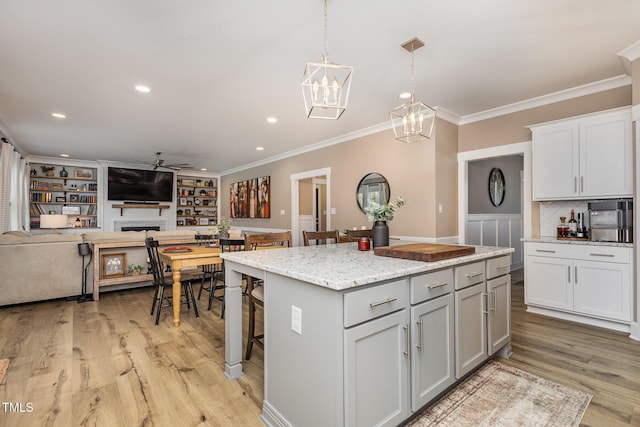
x,y
106,364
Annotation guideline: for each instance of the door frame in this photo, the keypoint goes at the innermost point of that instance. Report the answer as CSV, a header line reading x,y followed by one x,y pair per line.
x,y
521,148
295,199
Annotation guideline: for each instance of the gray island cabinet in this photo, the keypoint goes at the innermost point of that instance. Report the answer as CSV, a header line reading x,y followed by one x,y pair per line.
x,y
355,339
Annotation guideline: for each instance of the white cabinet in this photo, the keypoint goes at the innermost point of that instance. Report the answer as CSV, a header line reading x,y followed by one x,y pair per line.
x,y
377,372
587,280
584,157
432,349
482,312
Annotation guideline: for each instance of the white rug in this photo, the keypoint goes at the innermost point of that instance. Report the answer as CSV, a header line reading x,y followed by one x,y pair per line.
x,y
501,395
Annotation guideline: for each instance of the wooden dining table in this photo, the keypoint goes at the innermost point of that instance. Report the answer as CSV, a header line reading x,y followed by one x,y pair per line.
x,y
179,257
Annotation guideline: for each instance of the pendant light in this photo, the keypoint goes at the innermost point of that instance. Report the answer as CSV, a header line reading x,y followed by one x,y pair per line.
x,y
413,121
325,85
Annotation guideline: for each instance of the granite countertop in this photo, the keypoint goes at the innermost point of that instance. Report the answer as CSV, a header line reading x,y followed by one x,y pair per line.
x,y
342,266
549,239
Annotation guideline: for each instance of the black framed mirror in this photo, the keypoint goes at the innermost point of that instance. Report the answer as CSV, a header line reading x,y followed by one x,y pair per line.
x,y
372,186
496,187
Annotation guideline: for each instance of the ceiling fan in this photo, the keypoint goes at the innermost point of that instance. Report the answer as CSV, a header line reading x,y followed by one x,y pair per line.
x,y
158,162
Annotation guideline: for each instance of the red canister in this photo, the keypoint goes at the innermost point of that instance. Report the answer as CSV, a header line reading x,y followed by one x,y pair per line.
x,y
364,244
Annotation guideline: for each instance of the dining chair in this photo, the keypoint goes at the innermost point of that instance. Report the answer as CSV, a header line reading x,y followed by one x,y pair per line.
x,y
254,242
318,236
161,281
355,235
211,273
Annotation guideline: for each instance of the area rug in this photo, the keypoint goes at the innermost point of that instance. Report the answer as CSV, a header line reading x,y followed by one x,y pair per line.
x,y
501,395
4,365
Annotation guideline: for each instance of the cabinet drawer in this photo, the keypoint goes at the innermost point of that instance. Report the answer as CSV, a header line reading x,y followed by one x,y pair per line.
x,y
582,251
498,266
431,285
376,301
469,274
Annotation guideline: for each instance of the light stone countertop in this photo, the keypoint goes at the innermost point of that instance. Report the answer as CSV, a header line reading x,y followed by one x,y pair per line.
x,y
342,266
549,239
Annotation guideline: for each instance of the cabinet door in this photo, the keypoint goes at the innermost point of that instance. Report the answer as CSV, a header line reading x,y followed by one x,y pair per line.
x,y
548,282
432,351
377,372
602,289
555,162
606,156
470,326
499,303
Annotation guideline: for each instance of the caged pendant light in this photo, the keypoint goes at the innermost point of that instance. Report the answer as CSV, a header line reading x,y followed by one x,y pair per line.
x,y
325,85
413,121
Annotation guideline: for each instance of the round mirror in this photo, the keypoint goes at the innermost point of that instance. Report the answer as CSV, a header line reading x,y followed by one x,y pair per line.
x,y
372,187
496,187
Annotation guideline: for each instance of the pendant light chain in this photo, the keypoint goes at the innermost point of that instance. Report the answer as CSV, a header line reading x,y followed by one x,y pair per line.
x,y
412,75
325,54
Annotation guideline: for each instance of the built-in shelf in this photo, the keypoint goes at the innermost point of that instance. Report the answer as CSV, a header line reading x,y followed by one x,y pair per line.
x,y
140,206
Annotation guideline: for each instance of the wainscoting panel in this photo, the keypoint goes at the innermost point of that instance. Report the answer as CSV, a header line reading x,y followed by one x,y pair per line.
x,y
497,230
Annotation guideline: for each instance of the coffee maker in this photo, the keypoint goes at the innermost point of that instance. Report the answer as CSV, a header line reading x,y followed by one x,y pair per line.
x,y
611,220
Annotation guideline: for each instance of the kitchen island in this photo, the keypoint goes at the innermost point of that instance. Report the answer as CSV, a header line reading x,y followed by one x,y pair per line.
x,y
358,339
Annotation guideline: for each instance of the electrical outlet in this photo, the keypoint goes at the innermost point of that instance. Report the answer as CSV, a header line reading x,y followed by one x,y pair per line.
x,y
296,319
281,211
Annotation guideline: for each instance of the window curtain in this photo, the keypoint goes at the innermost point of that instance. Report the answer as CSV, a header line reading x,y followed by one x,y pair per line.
x,y
14,202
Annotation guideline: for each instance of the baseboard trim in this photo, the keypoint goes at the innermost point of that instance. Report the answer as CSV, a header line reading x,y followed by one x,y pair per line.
x,y
592,321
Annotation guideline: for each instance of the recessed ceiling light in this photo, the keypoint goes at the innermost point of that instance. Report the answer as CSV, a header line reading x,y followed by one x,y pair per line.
x,y
142,89
259,148
59,115
64,155
203,169
405,95
272,120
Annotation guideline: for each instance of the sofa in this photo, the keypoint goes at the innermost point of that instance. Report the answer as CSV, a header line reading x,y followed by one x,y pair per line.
x,y
37,267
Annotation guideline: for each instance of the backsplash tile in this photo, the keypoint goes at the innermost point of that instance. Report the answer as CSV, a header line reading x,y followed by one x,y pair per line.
x,y
550,213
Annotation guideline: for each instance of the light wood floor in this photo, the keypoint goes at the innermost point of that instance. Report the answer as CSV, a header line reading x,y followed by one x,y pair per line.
x,y
107,364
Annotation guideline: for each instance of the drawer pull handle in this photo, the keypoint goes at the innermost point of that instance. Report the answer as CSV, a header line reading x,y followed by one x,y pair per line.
x,y
548,251
437,285
471,275
500,267
606,255
387,301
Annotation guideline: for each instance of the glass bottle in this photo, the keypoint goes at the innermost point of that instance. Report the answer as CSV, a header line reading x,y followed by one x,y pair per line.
x,y
573,225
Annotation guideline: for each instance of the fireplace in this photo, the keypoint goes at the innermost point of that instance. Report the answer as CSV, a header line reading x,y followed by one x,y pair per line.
x,y
141,228
139,225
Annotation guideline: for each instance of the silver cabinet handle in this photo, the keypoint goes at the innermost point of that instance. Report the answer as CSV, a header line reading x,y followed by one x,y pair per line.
x,y
582,183
495,301
605,255
470,275
500,267
575,274
437,285
484,309
547,251
406,337
575,184
420,324
387,301
568,273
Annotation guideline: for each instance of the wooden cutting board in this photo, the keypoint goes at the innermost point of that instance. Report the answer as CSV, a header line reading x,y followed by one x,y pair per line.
x,y
424,251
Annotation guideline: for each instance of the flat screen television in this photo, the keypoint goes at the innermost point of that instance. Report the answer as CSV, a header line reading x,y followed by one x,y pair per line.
x,y
138,185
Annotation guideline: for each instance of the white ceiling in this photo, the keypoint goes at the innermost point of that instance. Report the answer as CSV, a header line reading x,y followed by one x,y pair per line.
x,y
217,70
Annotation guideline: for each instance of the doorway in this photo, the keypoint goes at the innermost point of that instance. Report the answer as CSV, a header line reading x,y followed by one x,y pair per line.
x,y
312,190
470,234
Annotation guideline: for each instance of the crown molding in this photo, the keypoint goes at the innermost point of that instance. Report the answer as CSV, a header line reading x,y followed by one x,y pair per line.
x,y
628,55
442,113
563,95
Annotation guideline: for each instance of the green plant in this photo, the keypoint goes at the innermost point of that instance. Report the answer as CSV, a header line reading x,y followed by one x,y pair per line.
x,y
46,169
383,211
134,267
224,226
